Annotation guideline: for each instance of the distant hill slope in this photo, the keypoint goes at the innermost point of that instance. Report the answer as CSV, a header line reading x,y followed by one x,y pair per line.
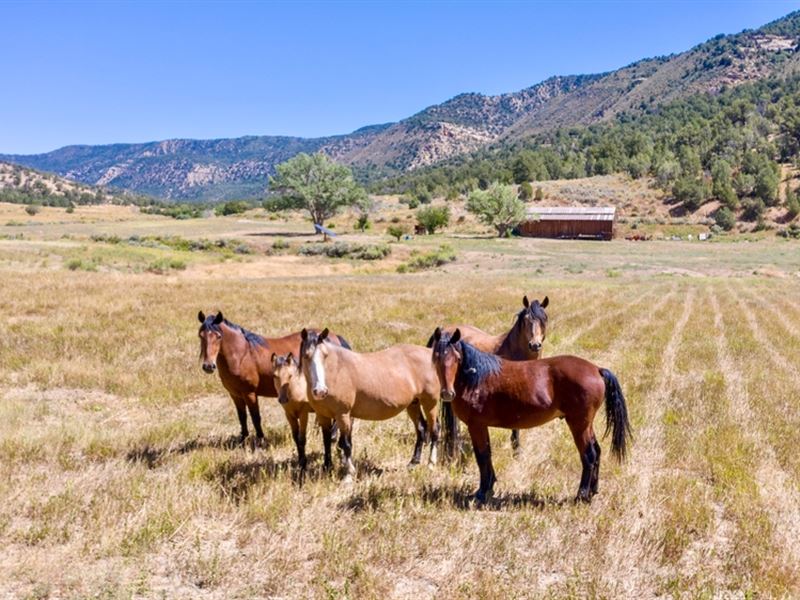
x,y
226,168
27,186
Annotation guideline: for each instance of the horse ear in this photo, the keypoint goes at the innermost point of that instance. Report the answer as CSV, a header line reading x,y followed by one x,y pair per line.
x,y
545,302
525,302
290,358
201,317
456,337
273,359
323,335
219,318
304,334
435,337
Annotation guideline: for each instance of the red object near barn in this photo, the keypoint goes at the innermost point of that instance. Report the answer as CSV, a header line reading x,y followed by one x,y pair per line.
x,y
569,222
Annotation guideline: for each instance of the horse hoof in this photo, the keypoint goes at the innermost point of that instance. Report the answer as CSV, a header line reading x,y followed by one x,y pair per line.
x,y
482,497
583,497
413,463
347,479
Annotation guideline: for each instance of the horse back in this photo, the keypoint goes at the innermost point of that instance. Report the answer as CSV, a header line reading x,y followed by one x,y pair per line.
x,y
483,341
384,382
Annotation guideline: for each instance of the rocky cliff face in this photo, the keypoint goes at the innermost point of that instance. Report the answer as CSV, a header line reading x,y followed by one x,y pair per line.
x,y
227,168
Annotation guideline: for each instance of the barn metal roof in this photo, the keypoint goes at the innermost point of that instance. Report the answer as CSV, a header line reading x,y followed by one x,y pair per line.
x,y
571,213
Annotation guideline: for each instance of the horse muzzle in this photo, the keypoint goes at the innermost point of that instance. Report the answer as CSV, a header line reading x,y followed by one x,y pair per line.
x,y
283,398
535,346
209,367
447,396
320,393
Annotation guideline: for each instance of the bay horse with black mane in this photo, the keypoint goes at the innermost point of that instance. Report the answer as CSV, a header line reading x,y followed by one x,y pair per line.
x,y
489,391
244,362
374,386
522,342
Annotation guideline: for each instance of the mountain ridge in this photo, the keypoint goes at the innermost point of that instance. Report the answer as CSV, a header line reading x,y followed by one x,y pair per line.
x,y
239,167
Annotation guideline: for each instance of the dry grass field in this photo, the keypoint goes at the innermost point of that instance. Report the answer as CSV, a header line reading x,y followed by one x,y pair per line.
x,y
120,476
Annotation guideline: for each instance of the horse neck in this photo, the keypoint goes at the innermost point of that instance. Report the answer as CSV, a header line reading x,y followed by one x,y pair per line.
x,y
513,346
233,348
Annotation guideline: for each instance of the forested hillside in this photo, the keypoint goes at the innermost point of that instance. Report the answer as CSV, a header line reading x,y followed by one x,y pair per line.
x,y
733,147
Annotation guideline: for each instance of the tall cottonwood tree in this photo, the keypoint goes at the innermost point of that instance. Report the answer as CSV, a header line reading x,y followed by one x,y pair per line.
x,y
317,184
498,206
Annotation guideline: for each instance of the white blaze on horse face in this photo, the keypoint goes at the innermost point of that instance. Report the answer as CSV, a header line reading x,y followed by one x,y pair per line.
x,y
318,386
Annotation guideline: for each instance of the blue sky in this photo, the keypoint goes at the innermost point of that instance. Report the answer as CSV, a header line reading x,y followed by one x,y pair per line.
x,y
105,72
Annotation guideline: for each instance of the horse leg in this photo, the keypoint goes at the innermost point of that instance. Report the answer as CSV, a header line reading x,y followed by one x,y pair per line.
x,y
241,412
433,429
414,413
483,456
593,486
346,444
584,436
515,441
301,438
255,415
326,424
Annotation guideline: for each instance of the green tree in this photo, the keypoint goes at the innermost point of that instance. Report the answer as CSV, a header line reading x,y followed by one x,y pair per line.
x,y
315,183
725,218
691,191
32,209
722,184
396,231
792,202
525,191
753,209
539,195
767,179
432,218
498,206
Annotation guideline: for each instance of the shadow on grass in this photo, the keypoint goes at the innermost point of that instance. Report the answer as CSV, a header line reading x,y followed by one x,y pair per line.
x,y
153,455
463,498
282,234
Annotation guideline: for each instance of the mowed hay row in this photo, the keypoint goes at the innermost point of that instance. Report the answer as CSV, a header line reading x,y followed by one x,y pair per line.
x,y
120,475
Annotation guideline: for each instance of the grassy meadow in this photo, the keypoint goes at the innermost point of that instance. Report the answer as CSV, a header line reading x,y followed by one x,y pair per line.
x,y
120,476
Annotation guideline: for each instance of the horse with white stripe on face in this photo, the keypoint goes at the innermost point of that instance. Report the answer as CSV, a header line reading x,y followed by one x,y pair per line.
x,y
344,385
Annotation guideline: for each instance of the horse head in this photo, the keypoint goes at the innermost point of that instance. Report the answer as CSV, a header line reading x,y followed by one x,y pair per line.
x,y
285,371
210,339
532,322
447,356
313,351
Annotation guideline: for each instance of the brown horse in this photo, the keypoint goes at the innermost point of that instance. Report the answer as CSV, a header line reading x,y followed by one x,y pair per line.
x,y
343,385
293,398
522,342
489,391
243,360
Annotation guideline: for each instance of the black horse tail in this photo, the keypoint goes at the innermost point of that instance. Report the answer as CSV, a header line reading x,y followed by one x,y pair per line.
x,y
450,426
616,416
343,342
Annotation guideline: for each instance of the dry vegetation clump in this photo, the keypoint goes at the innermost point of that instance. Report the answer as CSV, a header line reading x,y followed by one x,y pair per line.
x,y
120,475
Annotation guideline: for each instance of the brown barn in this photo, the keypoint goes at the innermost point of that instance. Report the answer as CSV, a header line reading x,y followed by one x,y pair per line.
x,y
569,222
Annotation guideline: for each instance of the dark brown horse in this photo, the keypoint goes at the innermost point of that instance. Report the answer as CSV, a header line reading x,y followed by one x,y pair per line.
x,y
522,342
489,391
244,362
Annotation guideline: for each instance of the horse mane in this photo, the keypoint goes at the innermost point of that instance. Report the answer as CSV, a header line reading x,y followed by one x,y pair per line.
x,y
476,365
252,339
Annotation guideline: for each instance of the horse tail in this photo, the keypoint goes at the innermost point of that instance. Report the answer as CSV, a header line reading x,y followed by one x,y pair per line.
x,y
450,426
616,415
343,342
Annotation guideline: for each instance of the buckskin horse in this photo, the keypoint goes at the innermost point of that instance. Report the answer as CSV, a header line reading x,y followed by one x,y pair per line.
x,y
522,342
293,398
243,359
489,391
375,386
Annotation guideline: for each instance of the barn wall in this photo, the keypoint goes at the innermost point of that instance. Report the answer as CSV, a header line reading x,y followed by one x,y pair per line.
x,y
565,228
